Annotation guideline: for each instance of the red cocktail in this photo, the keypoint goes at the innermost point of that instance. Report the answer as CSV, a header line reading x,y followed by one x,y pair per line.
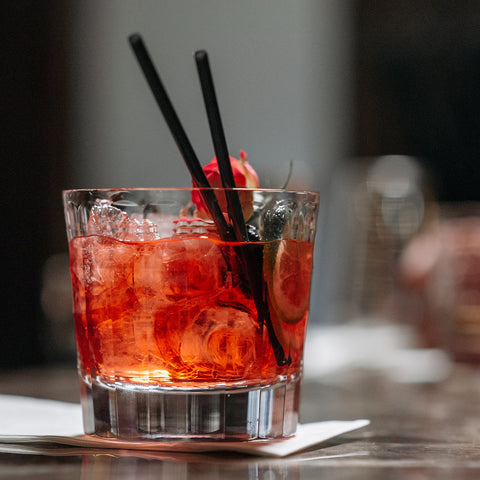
x,y
168,314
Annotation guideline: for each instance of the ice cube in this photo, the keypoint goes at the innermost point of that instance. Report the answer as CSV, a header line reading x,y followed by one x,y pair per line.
x,y
221,342
138,231
149,274
164,224
106,269
193,267
179,271
108,220
170,326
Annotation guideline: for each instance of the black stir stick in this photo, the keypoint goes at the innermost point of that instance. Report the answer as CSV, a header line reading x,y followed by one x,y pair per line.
x,y
220,145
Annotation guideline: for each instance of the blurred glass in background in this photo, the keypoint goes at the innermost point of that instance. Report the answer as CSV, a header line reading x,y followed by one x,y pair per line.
x,y
391,203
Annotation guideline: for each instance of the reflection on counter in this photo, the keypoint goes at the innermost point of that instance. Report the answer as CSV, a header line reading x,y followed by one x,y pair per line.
x,y
178,466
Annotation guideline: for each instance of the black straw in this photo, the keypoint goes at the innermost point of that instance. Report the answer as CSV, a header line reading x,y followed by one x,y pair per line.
x,y
220,144
179,135
251,264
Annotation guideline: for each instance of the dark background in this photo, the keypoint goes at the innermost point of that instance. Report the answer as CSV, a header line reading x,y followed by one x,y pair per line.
x,y
417,88
34,113
417,81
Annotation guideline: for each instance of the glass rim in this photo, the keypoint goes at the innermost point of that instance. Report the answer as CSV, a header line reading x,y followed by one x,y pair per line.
x,y
189,189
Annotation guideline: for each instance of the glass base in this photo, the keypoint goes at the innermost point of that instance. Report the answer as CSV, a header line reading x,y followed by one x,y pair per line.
x,y
136,413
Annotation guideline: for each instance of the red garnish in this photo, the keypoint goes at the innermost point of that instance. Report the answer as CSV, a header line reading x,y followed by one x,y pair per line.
x,y
251,176
244,176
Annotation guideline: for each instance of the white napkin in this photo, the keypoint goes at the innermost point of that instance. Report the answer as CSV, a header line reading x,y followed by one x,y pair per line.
x,y
26,420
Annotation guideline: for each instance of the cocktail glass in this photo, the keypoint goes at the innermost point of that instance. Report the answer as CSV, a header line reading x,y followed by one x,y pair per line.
x,y
182,334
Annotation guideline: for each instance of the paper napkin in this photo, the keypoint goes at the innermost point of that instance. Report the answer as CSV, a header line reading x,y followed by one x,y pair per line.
x,y
26,420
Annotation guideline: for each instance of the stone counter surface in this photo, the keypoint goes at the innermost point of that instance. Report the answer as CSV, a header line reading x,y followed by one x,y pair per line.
x,y
417,431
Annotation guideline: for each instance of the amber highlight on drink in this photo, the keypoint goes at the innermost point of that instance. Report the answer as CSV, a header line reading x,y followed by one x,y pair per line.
x,y
175,338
